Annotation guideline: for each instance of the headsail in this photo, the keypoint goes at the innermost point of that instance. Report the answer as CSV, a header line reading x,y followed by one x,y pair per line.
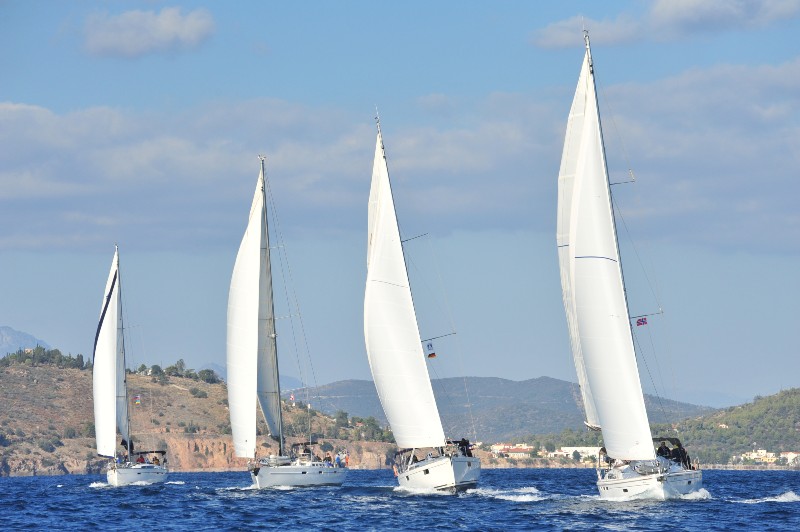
x,y
108,368
251,345
394,347
592,284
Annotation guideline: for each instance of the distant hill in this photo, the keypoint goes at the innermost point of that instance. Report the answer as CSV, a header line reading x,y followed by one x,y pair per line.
x,y
500,410
12,340
771,423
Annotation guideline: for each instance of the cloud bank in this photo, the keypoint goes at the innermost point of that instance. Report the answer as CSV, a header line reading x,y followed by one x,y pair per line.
x,y
138,33
668,20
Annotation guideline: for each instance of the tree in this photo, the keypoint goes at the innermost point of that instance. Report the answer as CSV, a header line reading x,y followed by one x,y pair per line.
x,y
341,419
142,369
156,371
208,375
550,446
576,455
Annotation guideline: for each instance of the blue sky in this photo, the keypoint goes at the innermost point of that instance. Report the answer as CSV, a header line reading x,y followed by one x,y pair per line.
x,y
139,123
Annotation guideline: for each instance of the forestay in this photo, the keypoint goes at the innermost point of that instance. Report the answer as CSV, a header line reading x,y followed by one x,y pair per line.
x,y
108,368
392,337
592,285
251,348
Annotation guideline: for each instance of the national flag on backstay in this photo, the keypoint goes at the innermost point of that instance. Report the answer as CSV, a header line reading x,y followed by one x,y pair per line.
x,y
641,321
430,350
291,397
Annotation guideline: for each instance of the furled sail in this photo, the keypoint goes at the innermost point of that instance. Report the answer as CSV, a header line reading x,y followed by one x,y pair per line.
x,y
392,337
251,347
108,368
592,285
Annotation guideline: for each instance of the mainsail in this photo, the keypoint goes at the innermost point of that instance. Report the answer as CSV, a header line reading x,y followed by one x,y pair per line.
x,y
252,362
392,337
592,284
108,368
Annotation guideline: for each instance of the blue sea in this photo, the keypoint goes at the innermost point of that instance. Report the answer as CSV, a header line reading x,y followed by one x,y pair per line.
x,y
506,499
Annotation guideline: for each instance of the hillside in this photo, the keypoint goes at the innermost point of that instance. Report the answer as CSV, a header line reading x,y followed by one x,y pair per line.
x,y
771,423
501,409
46,425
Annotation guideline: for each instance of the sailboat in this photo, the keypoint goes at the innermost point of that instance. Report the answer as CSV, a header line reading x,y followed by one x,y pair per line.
x,y
426,460
110,392
598,320
252,360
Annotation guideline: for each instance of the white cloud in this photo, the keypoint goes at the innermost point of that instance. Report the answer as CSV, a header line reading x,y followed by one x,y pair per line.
x,y
714,164
670,19
137,33
681,17
564,34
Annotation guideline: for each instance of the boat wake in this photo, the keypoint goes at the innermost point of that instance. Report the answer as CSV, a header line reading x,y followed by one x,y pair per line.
x,y
99,485
701,494
527,494
420,491
789,496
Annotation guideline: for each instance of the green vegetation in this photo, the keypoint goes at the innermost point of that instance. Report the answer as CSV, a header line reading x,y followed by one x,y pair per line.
x,y
41,356
771,423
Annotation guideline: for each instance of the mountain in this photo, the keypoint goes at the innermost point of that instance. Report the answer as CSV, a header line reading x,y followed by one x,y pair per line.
x,y
498,409
12,341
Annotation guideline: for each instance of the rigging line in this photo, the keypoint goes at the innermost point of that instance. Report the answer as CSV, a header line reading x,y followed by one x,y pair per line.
x,y
618,213
640,355
612,114
286,269
459,350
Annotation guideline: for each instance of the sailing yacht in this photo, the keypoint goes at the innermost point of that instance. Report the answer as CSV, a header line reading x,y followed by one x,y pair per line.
x,y
597,314
427,460
252,360
110,393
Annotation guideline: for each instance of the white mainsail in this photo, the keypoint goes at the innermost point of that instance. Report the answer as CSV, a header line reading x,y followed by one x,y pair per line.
x,y
108,371
251,347
394,348
592,284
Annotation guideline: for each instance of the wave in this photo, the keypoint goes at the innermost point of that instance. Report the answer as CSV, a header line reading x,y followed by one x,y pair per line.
x,y
526,494
176,482
420,491
701,494
789,496
99,485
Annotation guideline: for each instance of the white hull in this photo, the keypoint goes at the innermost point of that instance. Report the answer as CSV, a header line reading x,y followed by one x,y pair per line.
x,y
448,473
123,475
625,483
298,475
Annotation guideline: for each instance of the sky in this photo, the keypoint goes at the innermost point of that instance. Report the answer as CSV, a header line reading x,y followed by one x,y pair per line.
x,y
139,124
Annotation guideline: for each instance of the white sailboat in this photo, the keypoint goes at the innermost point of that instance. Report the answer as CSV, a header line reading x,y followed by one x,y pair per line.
x,y
597,314
111,396
252,359
427,459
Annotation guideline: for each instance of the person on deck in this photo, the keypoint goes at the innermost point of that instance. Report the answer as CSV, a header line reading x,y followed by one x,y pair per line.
x,y
140,460
663,450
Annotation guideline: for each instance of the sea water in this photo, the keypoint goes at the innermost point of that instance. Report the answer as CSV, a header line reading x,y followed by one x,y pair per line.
x,y
506,499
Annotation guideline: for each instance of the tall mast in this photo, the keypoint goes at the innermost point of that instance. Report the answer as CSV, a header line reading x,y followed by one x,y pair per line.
x,y
605,168
121,333
270,322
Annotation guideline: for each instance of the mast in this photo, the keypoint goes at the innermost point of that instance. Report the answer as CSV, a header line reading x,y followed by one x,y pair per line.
x,y
593,289
121,332
608,184
391,332
268,322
